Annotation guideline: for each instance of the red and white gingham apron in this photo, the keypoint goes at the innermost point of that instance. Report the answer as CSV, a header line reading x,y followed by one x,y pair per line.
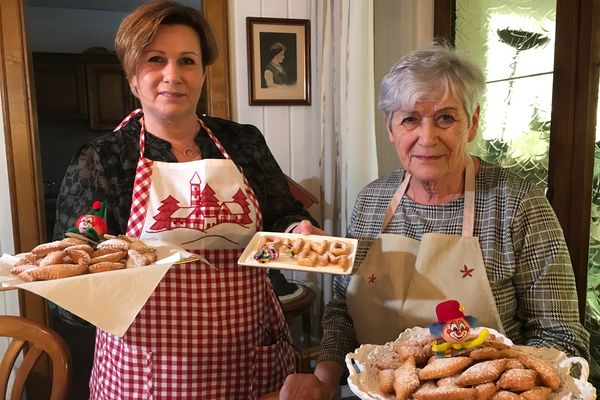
x,y
207,332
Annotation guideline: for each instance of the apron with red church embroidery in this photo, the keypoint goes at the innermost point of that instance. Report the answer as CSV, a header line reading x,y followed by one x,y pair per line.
x,y
401,280
208,331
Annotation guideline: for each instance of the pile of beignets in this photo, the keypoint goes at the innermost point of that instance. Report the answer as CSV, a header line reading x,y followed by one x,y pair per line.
x,y
493,371
72,256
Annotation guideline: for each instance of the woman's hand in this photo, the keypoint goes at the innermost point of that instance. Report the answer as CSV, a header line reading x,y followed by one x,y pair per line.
x,y
305,227
303,387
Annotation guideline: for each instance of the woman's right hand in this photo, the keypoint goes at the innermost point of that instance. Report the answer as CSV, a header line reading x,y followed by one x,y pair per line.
x,y
305,227
303,387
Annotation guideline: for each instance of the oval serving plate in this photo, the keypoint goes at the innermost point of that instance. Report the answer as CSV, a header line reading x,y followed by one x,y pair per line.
x,y
363,373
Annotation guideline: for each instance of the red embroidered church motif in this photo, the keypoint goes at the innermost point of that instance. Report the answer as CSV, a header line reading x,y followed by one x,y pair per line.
x,y
205,210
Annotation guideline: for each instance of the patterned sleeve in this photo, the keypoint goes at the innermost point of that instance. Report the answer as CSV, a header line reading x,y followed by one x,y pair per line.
x,y
280,209
544,280
84,182
339,337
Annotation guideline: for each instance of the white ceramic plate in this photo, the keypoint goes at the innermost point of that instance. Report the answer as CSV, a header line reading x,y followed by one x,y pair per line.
x,y
363,373
285,262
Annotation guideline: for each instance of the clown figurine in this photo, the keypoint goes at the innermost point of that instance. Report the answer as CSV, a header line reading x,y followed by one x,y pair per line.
x,y
90,226
454,330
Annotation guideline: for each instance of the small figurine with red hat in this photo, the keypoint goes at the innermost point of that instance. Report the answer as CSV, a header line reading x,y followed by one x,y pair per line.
x,y
90,226
454,330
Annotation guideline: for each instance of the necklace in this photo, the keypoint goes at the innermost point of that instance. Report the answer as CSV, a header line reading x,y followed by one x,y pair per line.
x,y
188,153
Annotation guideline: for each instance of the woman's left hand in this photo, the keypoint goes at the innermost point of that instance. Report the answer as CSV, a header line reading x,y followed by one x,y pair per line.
x,y
305,227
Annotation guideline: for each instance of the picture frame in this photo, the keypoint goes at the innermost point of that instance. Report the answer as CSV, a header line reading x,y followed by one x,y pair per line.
x,y
278,61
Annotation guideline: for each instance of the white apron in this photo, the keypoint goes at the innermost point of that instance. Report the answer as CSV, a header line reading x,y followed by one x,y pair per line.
x,y
207,332
401,280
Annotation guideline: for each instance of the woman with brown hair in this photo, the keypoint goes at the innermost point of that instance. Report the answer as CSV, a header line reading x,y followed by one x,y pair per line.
x,y
205,184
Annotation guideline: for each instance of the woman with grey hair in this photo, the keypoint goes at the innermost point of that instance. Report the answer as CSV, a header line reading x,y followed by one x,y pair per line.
x,y
445,225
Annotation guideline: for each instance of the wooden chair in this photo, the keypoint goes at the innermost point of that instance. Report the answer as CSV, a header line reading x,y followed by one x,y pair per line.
x,y
38,339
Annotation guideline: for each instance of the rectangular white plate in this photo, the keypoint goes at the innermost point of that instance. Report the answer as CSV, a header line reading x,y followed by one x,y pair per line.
x,y
285,262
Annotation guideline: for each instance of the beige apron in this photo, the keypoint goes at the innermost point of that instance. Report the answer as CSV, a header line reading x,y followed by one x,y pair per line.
x,y
401,280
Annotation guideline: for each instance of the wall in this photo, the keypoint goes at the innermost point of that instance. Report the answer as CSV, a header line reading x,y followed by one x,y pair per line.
x,y
291,131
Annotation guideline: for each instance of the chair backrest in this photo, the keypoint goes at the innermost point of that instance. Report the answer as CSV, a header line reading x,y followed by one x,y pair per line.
x,y
39,339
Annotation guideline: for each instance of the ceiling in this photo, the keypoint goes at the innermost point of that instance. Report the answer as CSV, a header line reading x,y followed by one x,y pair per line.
x,y
104,5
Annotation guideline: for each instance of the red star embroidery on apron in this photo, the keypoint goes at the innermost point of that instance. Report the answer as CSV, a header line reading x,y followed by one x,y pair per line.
x,y
372,278
466,271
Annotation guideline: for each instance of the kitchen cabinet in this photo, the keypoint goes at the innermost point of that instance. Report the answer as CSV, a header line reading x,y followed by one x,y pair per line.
x,y
82,86
60,88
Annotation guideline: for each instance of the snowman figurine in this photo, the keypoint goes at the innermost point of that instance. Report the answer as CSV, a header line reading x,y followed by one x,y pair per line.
x,y
454,330
92,226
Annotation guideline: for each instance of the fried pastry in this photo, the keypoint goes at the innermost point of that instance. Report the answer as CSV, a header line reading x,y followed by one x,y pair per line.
x,y
106,266
491,341
150,257
385,380
389,360
115,256
54,257
319,248
115,244
517,380
46,248
135,259
71,241
26,258
485,371
406,380
57,271
339,248
512,363
442,367
485,390
78,256
484,353
307,259
505,395
537,393
510,353
449,381
17,269
420,353
444,393
85,247
546,372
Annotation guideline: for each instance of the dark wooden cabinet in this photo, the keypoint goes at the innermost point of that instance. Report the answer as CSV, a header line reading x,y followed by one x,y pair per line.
x,y
60,89
82,86
109,97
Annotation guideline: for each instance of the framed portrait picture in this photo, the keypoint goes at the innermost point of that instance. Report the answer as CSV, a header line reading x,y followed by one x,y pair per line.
x,y
279,61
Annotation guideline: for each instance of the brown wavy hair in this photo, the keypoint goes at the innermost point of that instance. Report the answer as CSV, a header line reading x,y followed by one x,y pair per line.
x,y
138,29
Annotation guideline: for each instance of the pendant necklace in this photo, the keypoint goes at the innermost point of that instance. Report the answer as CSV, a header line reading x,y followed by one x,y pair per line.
x,y
188,153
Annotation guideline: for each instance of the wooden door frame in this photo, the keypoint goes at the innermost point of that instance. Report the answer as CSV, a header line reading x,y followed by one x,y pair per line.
x,y
20,128
572,133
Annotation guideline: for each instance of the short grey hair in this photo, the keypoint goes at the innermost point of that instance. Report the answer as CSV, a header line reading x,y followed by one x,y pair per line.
x,y
421,72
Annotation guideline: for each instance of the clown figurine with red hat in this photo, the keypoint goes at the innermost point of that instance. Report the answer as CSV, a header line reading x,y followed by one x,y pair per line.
x,y
90,226
454,330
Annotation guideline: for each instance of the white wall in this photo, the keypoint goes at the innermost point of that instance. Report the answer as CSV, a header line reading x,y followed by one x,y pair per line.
x,y
291,131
